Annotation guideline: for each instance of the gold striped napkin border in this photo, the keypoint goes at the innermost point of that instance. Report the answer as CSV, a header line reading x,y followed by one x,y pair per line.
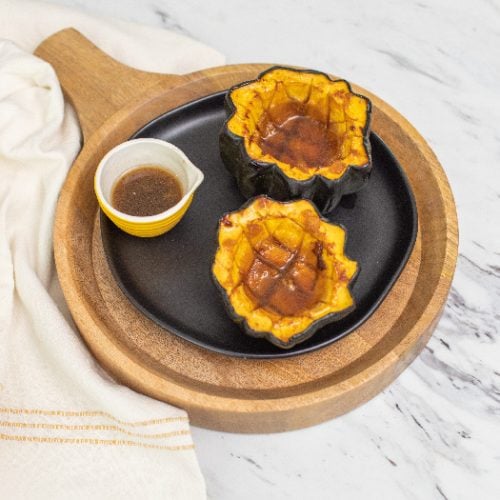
x,y
93,428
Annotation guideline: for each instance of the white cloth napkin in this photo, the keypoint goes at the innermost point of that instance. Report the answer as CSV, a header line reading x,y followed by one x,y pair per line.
x,y
66,429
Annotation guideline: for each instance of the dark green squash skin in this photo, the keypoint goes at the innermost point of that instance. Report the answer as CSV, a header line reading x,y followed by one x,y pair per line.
x,y
256,177
312,328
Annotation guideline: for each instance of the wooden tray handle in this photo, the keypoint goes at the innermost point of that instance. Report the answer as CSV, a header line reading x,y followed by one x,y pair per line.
x,y
103,85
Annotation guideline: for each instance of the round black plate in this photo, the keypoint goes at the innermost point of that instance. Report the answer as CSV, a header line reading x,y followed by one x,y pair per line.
x,y
168,277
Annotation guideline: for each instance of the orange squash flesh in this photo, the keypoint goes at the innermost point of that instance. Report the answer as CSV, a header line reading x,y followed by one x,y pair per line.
x,y
282,269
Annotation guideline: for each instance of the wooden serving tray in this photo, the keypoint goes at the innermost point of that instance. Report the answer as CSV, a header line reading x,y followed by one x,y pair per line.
x,y
218,391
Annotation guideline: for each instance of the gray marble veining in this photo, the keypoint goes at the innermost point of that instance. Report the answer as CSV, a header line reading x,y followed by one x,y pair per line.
x,y
435,432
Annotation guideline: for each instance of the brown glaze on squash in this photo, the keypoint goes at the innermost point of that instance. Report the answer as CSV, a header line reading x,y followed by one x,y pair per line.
x,y
295,134
281,280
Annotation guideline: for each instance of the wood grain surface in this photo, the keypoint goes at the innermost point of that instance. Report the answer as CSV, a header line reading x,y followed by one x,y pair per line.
x,y
221,392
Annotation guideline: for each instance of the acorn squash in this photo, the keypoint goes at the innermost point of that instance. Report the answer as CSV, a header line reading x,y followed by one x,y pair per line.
x,y
297,134
282,270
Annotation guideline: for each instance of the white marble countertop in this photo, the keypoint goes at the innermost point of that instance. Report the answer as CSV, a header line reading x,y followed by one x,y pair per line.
x,y
435,432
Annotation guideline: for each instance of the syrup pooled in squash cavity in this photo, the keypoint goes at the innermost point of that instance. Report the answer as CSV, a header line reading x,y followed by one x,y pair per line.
x,y
296,135
282,280
146,190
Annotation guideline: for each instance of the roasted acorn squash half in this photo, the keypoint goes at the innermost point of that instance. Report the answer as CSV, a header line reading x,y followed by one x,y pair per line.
x,y
282,270
297,134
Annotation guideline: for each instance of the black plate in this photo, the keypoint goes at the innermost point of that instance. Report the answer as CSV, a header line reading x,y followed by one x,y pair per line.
x,y
168,277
